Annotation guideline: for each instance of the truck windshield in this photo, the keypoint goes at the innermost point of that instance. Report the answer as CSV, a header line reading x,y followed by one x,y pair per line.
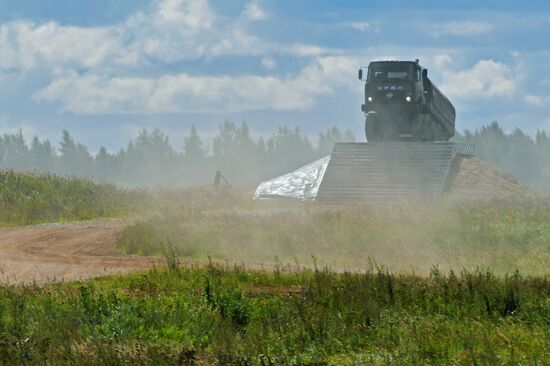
x,y
391,72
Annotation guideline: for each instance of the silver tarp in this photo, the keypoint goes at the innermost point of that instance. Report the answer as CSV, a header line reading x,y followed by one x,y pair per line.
x,y
301,184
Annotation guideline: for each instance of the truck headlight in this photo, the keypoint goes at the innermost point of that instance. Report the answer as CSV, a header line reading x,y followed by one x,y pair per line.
x,y
369,99
408,99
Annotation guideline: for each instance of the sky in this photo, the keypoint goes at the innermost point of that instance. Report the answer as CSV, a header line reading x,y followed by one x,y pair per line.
x,y
105,69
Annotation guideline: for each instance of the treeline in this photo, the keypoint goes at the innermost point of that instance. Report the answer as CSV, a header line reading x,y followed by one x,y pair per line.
x,y
152,159
524,156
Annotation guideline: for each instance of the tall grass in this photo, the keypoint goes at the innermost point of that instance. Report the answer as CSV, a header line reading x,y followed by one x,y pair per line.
x,y
503,237
220,315
35,198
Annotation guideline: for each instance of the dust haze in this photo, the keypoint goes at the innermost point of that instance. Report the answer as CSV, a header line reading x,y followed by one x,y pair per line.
x,y
226,224
228,227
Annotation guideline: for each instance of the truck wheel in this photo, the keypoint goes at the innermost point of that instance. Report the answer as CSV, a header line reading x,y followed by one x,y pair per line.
x,y
432,131
439,133
421,128
372,132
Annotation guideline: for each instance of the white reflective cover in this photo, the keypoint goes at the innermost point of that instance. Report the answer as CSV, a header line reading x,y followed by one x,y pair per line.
x,y
302,184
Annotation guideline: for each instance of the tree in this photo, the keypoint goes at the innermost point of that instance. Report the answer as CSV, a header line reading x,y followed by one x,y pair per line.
x,y
75,158
15,151
43,156
192,146
237,155
224,142
288,149
107,167
150,159
330,137
154,145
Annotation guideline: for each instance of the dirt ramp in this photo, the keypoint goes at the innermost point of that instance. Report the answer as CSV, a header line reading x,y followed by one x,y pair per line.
x,y
477,180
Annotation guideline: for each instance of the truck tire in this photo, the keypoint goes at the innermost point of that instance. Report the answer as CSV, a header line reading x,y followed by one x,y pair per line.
x,y
372,130
422,128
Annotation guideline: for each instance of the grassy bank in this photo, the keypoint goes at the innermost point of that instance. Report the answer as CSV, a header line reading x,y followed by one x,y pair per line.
x,y
35,198
500,236
217,315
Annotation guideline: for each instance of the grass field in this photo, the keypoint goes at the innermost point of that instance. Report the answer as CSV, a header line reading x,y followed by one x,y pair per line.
x,y
230,316
34,198
502,237
452,284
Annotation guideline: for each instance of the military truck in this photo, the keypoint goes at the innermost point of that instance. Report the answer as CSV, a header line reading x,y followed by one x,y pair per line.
x,y
402,103
408,156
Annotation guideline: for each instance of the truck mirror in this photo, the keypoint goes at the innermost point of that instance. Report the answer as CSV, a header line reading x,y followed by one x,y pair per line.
x,y
360,74
424,74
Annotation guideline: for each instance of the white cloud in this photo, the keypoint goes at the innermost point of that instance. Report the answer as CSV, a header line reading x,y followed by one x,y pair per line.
x,y
464,28
237,42
308,50
93,69
336,69
442,60
268,63
487,78
177,30
94,94
171,31
533,100
188,16
25,45
253,11
361,26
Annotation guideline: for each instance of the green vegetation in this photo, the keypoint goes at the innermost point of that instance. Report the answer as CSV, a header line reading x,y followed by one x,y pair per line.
x,y
500,236
482,313
219,315
35,198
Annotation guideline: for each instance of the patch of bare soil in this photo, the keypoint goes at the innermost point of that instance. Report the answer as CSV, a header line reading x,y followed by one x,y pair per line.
x,y
64,252
478,180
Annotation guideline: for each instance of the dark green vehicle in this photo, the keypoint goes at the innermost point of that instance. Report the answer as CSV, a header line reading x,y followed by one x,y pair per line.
x,y
401,103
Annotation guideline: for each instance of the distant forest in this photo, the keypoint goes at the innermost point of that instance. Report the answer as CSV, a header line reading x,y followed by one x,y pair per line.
x,y
152,160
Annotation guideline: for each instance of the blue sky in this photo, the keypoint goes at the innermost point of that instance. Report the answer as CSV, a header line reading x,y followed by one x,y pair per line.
x,y
105,69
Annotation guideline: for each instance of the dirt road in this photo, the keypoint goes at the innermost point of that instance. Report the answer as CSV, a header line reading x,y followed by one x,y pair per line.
x,y
64,252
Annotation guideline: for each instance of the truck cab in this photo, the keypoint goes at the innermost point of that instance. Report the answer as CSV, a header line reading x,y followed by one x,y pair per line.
x,y
399,103
393,82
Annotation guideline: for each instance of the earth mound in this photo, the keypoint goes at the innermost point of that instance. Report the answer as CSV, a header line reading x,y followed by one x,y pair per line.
x,y
473,179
